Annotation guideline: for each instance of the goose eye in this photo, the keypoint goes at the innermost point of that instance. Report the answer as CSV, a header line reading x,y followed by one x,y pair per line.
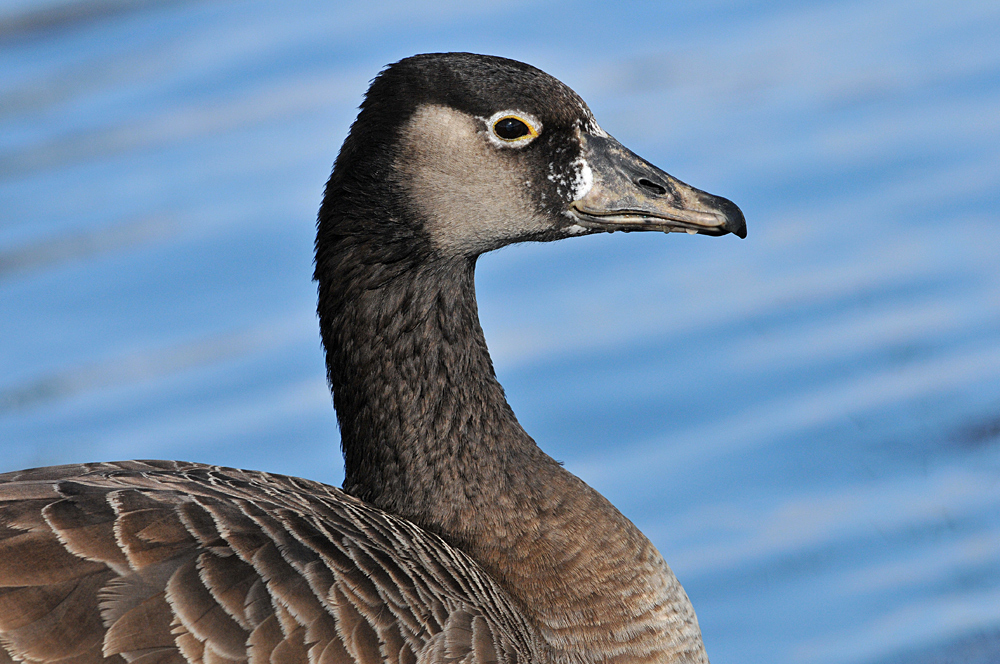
x,y
511,129
518,129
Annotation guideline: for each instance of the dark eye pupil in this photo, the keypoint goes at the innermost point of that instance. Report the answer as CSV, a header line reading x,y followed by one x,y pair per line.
x,y
511,128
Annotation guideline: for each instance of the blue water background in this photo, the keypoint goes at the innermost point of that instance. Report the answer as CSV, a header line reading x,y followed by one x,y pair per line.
x,y
806,423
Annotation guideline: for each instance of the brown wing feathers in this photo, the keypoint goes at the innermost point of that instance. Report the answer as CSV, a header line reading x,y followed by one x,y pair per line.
x,y
170,563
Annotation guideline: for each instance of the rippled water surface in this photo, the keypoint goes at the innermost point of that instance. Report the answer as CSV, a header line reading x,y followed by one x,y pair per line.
x,y
807,422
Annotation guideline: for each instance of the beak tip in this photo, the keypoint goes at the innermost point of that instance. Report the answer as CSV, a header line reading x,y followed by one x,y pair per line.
x,y
736,223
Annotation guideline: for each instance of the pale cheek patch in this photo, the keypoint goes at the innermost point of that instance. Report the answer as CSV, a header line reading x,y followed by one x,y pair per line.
x,y
471,200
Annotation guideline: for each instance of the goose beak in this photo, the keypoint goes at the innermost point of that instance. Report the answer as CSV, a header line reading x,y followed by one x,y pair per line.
x,y
627,193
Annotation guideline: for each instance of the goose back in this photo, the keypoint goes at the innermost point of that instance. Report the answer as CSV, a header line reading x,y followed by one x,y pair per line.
x,y
167,562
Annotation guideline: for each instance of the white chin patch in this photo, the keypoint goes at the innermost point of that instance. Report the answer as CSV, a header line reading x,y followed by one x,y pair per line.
x,y
584,179
574,183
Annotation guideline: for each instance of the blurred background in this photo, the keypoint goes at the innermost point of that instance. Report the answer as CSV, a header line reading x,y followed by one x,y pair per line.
x,y
806,423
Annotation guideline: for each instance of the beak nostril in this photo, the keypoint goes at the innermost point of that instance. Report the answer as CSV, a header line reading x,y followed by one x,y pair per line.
x,y
651,187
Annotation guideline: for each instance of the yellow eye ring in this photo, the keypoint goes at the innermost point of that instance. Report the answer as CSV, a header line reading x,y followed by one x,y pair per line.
x,y
512,128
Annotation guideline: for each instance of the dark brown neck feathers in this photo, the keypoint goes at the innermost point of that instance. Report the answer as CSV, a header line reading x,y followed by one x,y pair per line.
x,y
426,430
428,435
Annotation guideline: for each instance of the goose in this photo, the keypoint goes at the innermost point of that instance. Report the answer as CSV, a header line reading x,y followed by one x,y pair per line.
x,y
454,539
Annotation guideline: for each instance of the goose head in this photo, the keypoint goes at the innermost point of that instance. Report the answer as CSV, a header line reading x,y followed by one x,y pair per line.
x,y
457,154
